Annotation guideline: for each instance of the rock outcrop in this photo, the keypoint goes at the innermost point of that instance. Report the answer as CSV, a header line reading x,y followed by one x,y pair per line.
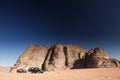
x,y
55,60
61,57
74,56
34,55
98,58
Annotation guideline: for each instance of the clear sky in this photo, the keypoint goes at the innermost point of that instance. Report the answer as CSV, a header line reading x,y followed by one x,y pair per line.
x,y
87,23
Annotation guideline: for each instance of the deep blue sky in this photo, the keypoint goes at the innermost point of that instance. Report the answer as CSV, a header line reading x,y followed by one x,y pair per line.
x,y
87,23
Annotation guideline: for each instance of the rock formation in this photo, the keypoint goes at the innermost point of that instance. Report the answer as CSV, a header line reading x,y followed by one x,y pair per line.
x,y
74,56
95,57
61,57
98,58
34,55
55,60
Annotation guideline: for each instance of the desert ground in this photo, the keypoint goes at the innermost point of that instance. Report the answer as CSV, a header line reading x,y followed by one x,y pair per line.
x,y
77,74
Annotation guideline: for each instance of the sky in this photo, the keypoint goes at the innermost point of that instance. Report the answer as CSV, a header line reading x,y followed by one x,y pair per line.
x,y
87,23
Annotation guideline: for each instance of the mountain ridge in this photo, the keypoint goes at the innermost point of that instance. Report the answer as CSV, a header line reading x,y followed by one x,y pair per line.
x,y
62,57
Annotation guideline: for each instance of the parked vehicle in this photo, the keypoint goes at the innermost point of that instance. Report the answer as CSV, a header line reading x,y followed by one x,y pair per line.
x,y
35,70
21,71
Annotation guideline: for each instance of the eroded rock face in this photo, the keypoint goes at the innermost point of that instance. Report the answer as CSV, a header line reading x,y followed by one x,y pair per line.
x,y
114,62
98,58
74,56
109,63
33,56
61,57
55,60
95,58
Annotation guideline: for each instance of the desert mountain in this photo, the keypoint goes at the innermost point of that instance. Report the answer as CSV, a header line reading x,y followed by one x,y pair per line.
x,y
61,57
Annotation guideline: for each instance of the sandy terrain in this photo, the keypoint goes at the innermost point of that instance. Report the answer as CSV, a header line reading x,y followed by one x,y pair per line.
x,y
4,69
78,74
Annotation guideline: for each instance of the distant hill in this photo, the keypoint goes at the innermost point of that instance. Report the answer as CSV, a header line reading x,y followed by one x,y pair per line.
x,y
61,57
4,69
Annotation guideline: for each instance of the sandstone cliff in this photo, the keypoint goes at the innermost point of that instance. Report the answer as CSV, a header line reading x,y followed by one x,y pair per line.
x,y
34,55
61,57
98,58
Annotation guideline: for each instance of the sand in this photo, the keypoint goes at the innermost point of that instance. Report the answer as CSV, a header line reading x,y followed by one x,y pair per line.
x,y
78,74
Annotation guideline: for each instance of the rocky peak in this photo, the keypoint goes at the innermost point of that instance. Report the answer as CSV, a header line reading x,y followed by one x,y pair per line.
x,y
34,55
98,52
